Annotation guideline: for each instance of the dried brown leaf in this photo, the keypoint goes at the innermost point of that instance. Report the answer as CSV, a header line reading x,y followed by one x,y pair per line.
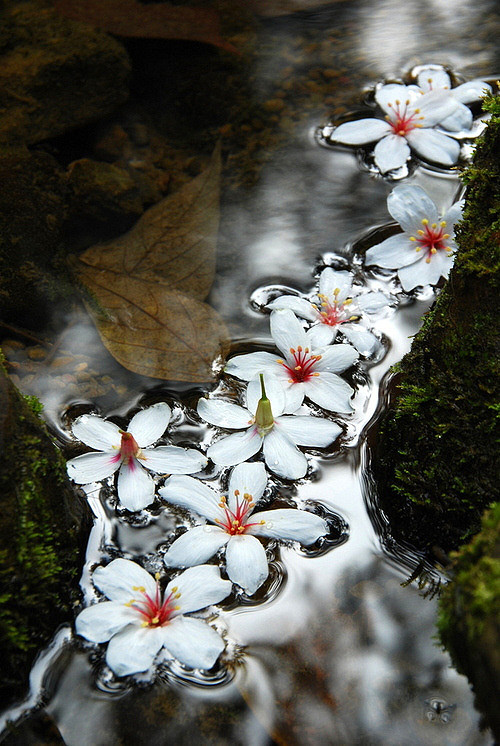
x,y
158,21
173,243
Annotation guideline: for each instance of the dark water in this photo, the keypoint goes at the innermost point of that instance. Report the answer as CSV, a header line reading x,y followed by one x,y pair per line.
x,y
337,651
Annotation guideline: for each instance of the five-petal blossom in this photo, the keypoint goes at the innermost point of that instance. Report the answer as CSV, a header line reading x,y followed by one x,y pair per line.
x,y
236,525
303,370
139,620
410,119
264,426
338,308
424,251
127,451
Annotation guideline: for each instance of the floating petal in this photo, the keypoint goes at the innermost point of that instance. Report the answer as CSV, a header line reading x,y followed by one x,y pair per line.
x,y
149,424
246,562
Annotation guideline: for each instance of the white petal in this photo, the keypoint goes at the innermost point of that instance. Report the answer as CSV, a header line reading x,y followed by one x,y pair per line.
x,y
372,302
363,340
453,215
321,335
294,397
275,391
198,587
118,579
435,106
136,489
223,413
309,431
250,479
96,432
300,306
474,90
190,493
387,95
246,562
287,331
461,119
290,525
134,649
149,424
92,467
196,546
173,460
281,455
409,205
248,366
99,622
360,132
434,146
425,273
396,251
331,280
193,642
430,79
236,448
336,359
330,392
391,152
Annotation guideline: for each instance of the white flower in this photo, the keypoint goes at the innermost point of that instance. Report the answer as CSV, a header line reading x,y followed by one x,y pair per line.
x,y
236,525
424,251
304,371
339,307
139,619
435,78
265,427
128,452
410,117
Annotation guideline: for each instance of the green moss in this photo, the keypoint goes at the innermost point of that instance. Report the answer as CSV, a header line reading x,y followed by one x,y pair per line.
x,y
434,456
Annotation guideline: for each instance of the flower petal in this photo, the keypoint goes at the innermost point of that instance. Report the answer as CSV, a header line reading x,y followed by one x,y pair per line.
x,y
248,366
330,392
309,431
473,90
434,146
372,302
117,580
461,119
96,432
136,489
360,132
453,215
430,78
363,340
426,273
275,390
299,306
321,335
92,467
391,152
190,493
223,413
134,649
387,95
149,424
173,460
435,106
331,280
99,622
235,448
286,330
196,546
336,358
192,642
396,251
198,587
250,479
246,562
290,525
281,455
409,205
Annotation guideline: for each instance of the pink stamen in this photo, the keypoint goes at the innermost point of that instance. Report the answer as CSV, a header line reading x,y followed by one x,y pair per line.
x,y
303,369
235,522
403,119
432,239
155,612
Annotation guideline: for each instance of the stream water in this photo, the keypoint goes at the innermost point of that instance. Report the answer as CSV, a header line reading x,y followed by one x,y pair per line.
x,y
336,648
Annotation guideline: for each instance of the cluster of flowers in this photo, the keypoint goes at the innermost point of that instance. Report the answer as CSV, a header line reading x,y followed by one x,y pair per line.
x,y
429,117
144,624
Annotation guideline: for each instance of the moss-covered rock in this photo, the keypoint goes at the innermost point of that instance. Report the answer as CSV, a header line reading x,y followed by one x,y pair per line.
x,y
469,614
435,456
42,530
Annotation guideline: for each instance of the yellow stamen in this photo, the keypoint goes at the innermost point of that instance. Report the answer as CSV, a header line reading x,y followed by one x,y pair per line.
x,y
443,223
139,588
425,221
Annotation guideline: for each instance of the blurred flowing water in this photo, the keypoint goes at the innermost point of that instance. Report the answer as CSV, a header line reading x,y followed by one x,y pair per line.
x,y
338,650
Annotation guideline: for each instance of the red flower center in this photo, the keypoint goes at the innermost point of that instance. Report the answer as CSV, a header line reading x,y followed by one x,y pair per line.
x,y
431,238
235,522
300,365
404,118
156,611
129,449
334,313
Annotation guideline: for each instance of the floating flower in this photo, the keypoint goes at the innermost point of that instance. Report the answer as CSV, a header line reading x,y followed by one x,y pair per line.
x,y
139,620
424,251
303,370
264,426
435,78
235,525
339,307
127,451
410,118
